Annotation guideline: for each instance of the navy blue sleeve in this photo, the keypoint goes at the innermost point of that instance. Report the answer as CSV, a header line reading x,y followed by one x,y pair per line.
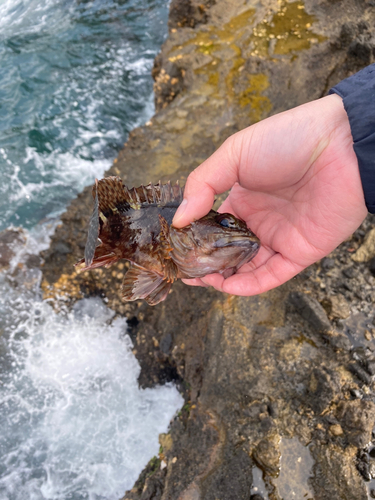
x,y
358,94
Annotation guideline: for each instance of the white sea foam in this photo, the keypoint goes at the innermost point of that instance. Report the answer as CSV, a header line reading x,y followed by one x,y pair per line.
x,y
74,422
21,16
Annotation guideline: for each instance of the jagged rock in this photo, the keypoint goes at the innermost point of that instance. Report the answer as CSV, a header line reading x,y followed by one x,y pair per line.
x,y
357,419
310,309
340,308
10,241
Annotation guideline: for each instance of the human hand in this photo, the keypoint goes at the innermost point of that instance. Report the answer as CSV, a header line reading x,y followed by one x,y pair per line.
x,y
294,180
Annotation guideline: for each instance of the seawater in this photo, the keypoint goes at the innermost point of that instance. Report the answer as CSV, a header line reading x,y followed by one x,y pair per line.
x,y
74,80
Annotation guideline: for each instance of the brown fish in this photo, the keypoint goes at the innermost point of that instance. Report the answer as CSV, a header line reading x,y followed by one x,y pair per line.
x,y
136,224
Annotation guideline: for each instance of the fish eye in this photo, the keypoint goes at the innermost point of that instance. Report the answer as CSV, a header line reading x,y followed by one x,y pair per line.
x,y
227,220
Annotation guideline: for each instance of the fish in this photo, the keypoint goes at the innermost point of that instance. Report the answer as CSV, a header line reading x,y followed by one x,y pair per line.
x,y
136,224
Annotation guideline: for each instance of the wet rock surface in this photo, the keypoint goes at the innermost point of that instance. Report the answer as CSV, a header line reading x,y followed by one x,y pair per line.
x,y
294,364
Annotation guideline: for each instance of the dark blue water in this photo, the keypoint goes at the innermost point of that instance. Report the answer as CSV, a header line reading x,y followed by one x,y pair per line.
x,y
74,80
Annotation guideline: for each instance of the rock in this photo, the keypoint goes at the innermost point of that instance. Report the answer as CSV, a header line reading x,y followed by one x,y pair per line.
x,y
267,455
372,266
10,241
166,442
189,13
327,263
322,385
310,309
336,430
340,308
367,250
349,272
357,418
343,480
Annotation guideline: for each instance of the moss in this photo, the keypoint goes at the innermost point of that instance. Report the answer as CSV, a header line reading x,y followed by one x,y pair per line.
x,y
289,30
281,33
252,96
153,466
212,43
185,411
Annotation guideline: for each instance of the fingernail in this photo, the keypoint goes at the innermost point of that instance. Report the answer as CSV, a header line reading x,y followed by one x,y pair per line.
x,y
180,211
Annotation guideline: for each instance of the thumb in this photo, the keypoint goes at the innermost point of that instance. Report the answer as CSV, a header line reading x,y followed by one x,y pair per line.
x,y
214,176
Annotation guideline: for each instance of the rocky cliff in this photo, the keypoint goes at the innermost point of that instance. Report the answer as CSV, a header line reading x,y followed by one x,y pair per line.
x,y
279,387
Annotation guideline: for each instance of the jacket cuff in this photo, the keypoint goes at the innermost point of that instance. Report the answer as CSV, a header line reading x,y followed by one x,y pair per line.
x,y
358,94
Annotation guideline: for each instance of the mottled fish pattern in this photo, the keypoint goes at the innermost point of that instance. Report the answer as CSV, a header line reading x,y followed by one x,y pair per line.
x,y
136,224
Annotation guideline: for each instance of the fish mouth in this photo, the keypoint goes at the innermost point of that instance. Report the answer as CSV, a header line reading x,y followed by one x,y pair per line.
x,y
239,241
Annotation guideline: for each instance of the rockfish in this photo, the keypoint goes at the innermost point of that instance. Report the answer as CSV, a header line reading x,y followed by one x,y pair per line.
x,y
136,224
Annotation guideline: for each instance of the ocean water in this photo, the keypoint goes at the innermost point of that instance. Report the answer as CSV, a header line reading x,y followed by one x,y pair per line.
x,y
74,80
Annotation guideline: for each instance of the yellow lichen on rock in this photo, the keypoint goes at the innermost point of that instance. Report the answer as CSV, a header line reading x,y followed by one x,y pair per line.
x,y
253,97
288,30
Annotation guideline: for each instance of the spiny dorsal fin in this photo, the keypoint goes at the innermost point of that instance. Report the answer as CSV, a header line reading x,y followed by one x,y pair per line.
x,y
156,193
114,195
111,194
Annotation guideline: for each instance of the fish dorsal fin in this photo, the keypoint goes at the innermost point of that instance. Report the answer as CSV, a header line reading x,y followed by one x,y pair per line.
x,y
162,194
112,194
115,196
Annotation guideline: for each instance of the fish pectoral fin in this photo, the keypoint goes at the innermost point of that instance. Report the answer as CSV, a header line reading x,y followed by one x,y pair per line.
x,y
159,294
139,283
98,261
170,269
164,226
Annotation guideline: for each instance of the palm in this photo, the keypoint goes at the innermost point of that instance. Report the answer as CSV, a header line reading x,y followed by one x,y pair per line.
x,y
300,201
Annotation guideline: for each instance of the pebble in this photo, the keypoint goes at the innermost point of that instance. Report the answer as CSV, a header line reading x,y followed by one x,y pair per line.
x,y
368,335
349,272
340,308
366,251
327,263
336,430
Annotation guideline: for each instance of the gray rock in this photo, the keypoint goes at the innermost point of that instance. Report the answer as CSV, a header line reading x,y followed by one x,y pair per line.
x,y
310,309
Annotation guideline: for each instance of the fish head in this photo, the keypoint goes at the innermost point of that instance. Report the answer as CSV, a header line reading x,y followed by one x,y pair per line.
x,y
216,243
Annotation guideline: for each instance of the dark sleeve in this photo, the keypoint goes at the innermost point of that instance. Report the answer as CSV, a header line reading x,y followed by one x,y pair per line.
x,y
358,94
